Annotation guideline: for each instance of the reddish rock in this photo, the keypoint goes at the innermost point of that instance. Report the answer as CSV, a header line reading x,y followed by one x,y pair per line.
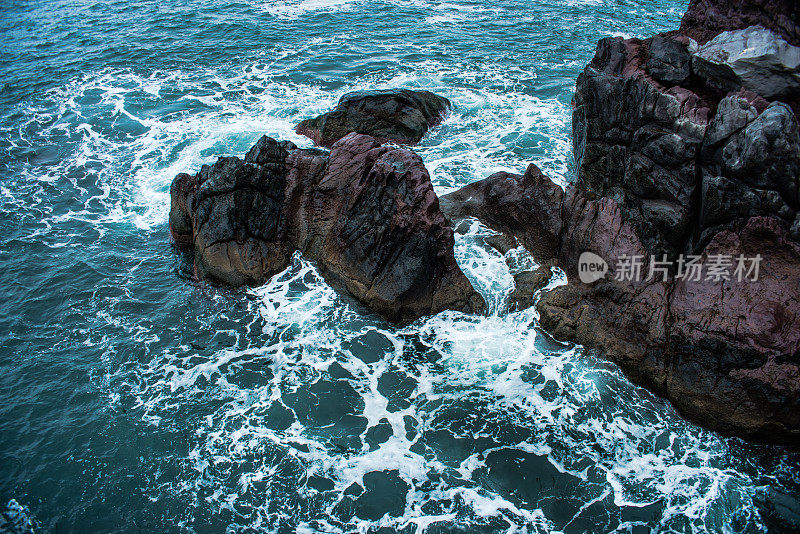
x,y
734,345
384,237
705,19
366,214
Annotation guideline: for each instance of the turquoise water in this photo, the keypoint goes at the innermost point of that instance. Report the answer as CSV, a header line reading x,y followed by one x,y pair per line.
x,y
133,399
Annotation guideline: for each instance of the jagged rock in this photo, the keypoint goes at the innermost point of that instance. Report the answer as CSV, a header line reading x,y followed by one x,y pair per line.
x,y
766,153
526,285
510,203
725,352
367,215
751,164
755,58
403,116
181,192
238,219
676,169
733,114
638,142
705,19
670,61
388,242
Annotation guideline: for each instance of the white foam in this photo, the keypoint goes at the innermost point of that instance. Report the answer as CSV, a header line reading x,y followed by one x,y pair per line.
x,y
293,331
297,8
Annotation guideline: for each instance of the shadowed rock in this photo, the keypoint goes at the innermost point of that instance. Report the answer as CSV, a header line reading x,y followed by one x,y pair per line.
x,y
399,115
526,285
505,202
367,215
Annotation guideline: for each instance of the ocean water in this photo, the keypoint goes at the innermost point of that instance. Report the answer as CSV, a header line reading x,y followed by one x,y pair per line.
x,y
133,399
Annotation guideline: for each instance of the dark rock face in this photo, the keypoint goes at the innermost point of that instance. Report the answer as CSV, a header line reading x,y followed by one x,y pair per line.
x,y
526,285
683,162
239,221
751,165
638,142
723,352
676,158
367,215
705,19
525,206
403,116
669,62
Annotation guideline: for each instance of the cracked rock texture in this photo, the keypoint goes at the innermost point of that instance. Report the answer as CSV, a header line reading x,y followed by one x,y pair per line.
x,y
366,214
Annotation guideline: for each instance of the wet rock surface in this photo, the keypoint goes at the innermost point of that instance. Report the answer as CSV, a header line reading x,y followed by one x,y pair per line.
x,y
403,116
526,286
676,158
366,214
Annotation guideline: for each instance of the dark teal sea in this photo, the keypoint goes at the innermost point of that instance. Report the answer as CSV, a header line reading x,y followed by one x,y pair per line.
x,y
133,399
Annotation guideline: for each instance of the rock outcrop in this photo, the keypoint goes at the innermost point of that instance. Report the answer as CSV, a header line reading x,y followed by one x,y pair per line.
x,y
705,19
687,152
754,58
366,214
402,116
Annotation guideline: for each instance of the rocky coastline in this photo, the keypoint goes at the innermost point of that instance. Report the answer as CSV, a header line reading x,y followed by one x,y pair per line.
x,y
687,150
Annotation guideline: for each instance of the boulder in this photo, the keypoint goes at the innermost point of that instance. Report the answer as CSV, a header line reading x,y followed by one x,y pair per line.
x,y
238,217
384,237
366,214
526,285
755,58
670,61
399,115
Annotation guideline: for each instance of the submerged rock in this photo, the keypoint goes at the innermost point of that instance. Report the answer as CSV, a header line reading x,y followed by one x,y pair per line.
x,y
366,214
526,285
399,115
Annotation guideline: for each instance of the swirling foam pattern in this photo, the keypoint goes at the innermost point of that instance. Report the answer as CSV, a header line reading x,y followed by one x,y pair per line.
x,y
133,399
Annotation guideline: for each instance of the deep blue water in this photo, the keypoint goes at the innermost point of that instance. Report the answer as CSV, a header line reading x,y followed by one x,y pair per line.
x,y
134,400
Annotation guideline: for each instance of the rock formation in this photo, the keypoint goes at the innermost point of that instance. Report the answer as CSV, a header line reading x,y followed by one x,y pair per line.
x,y
705,19
366,214
403,116
688,151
